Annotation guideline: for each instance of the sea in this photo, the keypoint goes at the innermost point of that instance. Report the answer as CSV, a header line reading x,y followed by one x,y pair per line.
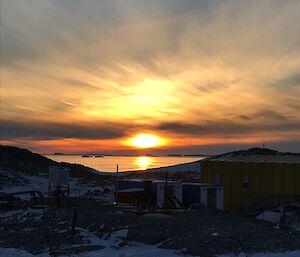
x,y
125,163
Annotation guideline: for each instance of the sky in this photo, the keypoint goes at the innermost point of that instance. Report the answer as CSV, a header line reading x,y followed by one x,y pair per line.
x,y
203,76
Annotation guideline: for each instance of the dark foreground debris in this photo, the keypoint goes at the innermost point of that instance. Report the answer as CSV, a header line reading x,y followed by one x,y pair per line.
x,y
200,232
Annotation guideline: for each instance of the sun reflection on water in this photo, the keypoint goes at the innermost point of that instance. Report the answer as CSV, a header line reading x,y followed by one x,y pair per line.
x,y
143,162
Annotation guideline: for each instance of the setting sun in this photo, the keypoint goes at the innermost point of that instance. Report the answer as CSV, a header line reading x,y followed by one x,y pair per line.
x,y
145,141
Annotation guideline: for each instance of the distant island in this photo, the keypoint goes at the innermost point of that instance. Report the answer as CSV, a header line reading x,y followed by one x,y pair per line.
x,y
58,154
186,155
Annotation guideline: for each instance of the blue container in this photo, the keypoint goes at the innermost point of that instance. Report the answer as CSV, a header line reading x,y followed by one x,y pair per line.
x,y
128,184
191,194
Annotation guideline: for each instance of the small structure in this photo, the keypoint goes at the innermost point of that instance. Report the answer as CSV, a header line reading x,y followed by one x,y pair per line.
x,y
140,193
58,181
131,195
170,194
211,196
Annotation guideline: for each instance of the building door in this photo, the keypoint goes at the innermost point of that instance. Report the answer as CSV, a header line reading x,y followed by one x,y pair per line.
x,y
211,197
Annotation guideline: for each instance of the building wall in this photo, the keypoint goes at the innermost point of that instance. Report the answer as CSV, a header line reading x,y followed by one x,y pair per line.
x,y
267,182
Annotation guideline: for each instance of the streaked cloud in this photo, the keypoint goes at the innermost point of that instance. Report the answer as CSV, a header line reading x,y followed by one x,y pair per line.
x,y
47,131
198,68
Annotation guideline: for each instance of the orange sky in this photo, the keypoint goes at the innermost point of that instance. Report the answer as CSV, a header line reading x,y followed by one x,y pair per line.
x,y
204,76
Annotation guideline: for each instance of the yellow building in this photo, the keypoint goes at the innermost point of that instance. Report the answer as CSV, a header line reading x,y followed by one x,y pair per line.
x,y
253,185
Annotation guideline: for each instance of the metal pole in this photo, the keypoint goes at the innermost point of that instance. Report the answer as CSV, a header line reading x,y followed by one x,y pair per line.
x,y
74,220
116,185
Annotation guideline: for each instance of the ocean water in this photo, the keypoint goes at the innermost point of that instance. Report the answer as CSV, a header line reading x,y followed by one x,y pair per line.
x,y
126,163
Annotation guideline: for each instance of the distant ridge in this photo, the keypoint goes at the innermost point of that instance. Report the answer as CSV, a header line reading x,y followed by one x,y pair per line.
x,y
258,155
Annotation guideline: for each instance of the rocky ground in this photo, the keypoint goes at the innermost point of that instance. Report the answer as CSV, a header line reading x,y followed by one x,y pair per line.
x,y
199,232
103,229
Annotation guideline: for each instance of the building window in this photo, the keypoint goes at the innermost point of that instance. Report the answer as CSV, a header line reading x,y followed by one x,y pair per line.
x,y
245,182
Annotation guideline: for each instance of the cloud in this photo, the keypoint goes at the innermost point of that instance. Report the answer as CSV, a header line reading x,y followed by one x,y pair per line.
x,y
193,67
292,80
262,122
48,131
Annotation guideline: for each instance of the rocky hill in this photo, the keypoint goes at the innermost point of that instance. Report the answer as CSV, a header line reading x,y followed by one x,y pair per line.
x,y
14,160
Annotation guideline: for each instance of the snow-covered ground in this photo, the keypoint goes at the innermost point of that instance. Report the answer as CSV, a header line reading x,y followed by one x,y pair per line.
x,y
286,254
114,244
136,250
274,216
133,249
111,248
78,187
21,214
39,183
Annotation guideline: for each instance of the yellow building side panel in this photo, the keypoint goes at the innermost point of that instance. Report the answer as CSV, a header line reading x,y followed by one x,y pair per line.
x,y
252,186
256,183
267,181
296,184
278,179
244,192
227,183
264,181
232,169
207,170
297,176
289,178
236,185
210,174
245,171
210,170
222,170
204,171
209,167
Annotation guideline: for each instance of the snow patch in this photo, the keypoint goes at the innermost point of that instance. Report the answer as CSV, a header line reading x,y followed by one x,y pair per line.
x,y
272,216
12,252
285,254
21,214
156,216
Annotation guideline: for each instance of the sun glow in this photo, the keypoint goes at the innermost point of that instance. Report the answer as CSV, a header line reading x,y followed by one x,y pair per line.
x,y
145,141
